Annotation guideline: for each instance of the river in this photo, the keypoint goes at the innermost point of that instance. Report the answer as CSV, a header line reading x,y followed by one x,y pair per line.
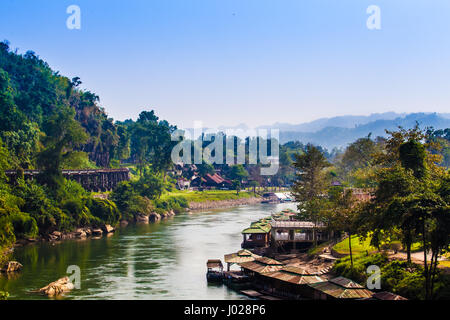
x,y
166,260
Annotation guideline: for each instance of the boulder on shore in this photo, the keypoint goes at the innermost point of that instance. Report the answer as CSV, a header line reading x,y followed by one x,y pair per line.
x,y
154,217
56,288
108,229
12,266
141,218
80,233
54,236
97,232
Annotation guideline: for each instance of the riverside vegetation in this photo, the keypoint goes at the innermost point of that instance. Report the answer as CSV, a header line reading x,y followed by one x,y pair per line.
x,y
48,122
409,207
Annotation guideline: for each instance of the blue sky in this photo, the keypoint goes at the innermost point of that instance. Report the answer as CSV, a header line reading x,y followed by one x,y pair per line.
x,y
225,62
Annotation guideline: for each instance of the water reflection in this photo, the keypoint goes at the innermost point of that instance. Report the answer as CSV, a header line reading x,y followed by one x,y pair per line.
x,y
166,260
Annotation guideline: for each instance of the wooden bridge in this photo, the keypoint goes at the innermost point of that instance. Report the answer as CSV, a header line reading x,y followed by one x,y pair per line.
x,y
91,180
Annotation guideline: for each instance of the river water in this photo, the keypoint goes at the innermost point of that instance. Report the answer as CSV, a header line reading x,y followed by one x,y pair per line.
x,y
166,260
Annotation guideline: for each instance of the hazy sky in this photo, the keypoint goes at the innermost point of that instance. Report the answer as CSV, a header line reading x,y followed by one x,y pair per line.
x,y
226,62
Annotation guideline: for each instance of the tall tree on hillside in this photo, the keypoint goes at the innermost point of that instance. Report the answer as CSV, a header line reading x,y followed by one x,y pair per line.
x,y
400,176
411,197
63,135
10,117
343,213
356,164
151,142
441,138
311,184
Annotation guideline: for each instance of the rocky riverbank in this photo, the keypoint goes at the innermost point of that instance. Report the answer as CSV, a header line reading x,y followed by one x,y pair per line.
x,y
79,233
223,203
87,232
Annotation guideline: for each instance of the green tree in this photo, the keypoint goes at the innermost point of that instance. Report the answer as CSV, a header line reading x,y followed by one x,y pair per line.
x,y
63,135
311,184
150,185
343,213
237,186
151,142
238,172
356,164
204,169
10,118
254,184
411,197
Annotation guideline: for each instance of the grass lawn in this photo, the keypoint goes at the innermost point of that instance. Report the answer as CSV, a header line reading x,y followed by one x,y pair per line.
x,y
357,246
207,195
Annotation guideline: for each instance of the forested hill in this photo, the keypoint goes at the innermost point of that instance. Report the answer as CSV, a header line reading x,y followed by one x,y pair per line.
x,y
48,123
30,92
33,96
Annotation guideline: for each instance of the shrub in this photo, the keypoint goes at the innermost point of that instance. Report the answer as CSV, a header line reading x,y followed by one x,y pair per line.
x,y
73,190
77,211
7,237
24,225
4,295
122,195
105,210
177,204
360,264
129,202
139,205
63,222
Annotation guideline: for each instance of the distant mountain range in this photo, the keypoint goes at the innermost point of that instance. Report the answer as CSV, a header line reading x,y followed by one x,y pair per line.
x,y
340,131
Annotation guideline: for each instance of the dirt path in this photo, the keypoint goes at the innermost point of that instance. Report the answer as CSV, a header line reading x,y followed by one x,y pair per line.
x,y
416,257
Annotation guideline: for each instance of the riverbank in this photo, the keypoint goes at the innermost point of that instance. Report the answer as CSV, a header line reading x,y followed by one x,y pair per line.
x,y
93,231
79,233
223,203
140,261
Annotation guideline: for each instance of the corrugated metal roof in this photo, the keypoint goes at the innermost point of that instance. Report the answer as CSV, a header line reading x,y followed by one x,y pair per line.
x,y
295,275
337,291
346,283
258,227
387,296
259,267
262,265
268,261
214,263
240,257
